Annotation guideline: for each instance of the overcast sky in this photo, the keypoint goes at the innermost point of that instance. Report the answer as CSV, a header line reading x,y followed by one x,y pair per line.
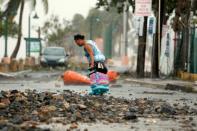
x,y
63,8
67,8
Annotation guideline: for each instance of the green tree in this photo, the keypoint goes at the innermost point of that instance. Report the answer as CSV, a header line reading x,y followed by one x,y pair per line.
x,y
106,25
56,31
14,6
78,23
181,26
12,27
60,33
99,20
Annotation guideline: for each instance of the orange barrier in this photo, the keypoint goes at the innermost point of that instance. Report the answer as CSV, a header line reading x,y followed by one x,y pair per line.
x,y
113,75
71,77
125,60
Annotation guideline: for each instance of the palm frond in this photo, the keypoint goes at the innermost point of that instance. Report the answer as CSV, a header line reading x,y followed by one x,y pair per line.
x,y
11,10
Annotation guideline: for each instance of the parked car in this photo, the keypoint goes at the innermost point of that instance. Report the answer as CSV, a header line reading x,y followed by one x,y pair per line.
x,y
54,56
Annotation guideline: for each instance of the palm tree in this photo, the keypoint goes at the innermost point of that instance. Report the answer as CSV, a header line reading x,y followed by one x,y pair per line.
x,y
14,6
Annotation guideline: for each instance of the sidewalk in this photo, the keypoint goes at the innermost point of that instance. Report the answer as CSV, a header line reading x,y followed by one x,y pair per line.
x,y
167,84
14,74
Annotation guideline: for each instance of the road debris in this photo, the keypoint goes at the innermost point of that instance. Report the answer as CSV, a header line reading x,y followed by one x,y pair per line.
x,y
18,108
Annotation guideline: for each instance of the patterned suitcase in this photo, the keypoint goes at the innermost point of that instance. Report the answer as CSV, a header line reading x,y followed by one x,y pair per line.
x,y
99,83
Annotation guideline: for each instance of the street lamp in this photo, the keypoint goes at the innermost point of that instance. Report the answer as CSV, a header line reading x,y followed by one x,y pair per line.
x,y
125,28
6,35
29,32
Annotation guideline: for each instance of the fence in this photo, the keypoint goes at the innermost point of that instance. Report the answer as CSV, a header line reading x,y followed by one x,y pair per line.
x,y
193,51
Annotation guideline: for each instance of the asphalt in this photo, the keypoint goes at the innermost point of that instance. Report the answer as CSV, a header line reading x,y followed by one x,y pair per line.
x,y
167,84
126,87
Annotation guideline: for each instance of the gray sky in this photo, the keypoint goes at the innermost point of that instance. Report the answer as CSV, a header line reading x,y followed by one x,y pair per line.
x,y
67,8
63,8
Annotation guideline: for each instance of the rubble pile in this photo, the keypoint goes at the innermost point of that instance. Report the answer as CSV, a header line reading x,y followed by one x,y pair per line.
x,y
26,110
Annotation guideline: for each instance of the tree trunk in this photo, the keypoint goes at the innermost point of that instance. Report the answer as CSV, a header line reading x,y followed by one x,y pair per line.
x,y
14,54
155,64
141,52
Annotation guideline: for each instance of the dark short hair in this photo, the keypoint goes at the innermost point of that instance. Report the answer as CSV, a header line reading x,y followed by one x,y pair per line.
x,y
79,36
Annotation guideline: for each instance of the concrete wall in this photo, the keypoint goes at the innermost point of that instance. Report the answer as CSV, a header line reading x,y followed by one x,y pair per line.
x,y
11,45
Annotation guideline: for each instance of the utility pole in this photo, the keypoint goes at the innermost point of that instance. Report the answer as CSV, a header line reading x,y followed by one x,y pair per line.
x,y
29,35
39,32
125,28
29,32
141,51
143,10
159,32
124,44
156,44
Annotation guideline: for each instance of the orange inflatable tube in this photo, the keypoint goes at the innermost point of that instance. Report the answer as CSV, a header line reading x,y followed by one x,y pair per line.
x,y
74,78
71,77
112,75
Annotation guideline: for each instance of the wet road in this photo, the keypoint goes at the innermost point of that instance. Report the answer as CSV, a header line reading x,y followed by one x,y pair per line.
x,y
49,81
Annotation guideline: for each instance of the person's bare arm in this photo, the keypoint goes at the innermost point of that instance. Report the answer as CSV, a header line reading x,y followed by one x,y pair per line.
x,y
90,52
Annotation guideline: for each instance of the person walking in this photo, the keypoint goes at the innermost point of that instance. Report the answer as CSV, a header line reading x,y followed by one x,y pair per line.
x,y
97,65
95,57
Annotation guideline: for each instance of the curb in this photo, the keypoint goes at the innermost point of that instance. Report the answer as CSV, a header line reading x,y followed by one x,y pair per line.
x,y
188,88
153,85
15,74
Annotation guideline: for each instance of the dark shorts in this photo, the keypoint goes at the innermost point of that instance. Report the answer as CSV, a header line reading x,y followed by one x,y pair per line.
x,y
100,67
